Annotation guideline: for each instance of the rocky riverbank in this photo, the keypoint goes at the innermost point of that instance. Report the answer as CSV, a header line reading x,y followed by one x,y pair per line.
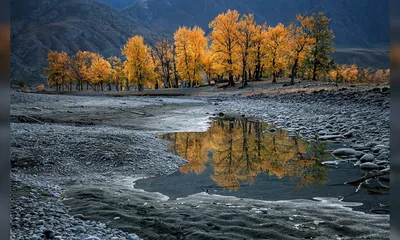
x,y
64,141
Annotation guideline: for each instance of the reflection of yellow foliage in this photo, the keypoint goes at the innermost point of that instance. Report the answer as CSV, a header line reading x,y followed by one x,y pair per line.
x,y
241,151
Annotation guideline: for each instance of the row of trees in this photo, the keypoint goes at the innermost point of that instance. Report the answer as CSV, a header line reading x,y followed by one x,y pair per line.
x,y
236,48
84,67
354,74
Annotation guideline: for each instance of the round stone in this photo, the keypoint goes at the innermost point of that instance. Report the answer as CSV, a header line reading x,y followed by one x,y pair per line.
x,y
81,229
367,158
133,236
344,152
369,166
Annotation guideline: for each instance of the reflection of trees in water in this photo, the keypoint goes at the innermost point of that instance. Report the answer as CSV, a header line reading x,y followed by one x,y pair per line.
x,y
242,149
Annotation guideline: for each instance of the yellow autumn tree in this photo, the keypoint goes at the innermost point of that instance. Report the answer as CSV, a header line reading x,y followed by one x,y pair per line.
x,y
79,68
299,45
379,76
117,74
158,72
246,36
276,45
350,74
58,69
209,65
139,66
190,47
386,76
99,72
225,42
259,52
365,75
318,26
163,58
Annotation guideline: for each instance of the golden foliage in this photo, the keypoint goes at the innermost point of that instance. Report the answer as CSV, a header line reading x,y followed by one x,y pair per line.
x,y
139,66
299,45
225,43
354,74
276,45
209,65
191,45
41,87
239,49
163,59
58,68
80,65
99,71
117,73
258,57
247,37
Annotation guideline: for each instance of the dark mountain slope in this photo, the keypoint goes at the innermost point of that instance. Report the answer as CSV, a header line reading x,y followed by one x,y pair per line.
x,y
39,26
117,4
361,27
356,23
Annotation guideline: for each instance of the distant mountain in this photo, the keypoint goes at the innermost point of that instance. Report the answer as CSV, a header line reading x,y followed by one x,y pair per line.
x,y
117,4
38,26
356,23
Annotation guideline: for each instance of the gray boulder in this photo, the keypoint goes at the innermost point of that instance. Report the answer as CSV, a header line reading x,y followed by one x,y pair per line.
x,y
369,166
367,158
344,152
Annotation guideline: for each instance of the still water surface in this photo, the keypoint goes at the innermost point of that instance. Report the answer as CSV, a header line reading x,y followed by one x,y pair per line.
x,y
250,159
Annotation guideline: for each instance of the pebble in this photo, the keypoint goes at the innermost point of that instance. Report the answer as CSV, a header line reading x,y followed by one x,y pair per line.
x,y
80,229
92,238
55,223
133,236
344,152
293,107
367,158
359,154
369,166
330,137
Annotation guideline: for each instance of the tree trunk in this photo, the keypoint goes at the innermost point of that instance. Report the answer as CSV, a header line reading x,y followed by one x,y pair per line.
x,y
293,72
231,81
250,77
315,71
87,85
273,71
244,75
273,77
101,85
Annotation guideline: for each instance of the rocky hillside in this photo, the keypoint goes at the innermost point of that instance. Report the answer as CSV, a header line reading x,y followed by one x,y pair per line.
x,y
357,23
117,4
38,26
361,27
